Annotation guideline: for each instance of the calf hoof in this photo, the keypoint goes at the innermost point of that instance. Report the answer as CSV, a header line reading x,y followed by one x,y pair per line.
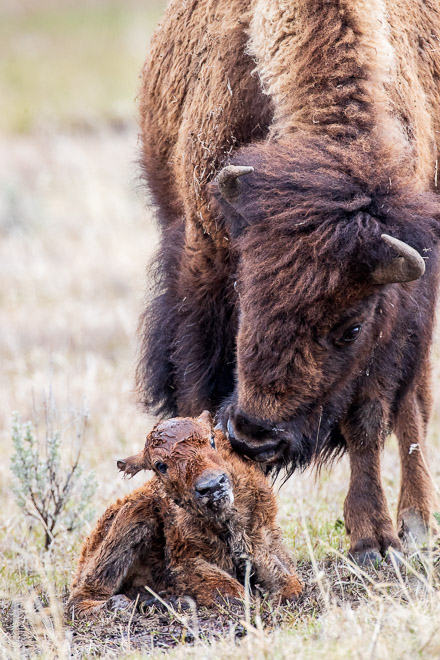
x,y
229,601
289,599
118,602
181,603
152,601
291,592
414,532
171,603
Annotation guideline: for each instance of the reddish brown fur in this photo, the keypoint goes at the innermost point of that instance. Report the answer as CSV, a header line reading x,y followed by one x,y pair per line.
x,y
163,537
336,104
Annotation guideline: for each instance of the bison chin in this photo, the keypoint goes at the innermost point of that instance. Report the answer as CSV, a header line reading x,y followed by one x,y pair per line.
x,y
290,445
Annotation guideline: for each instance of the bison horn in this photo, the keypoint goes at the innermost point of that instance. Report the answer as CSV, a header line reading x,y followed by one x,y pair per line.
x,y
228,181
407,267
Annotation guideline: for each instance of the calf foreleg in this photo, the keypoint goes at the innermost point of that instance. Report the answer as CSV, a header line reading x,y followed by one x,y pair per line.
x,y
131,533
274,573
205,582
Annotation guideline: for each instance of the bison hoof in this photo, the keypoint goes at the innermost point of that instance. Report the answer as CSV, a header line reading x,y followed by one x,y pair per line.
x,y
367,558
118,602
414,532
394,557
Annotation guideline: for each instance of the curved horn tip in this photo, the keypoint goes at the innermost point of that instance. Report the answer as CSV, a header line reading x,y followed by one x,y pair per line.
x,y
234,171
227,180
407,267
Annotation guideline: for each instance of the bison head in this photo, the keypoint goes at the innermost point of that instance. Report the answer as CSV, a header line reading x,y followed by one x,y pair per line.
x,y
330,257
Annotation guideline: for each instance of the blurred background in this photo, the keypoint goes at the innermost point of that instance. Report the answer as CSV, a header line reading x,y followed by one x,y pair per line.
x,y
72,65
76,231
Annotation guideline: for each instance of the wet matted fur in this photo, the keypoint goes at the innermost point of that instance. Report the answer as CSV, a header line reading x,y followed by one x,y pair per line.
x,y
190,531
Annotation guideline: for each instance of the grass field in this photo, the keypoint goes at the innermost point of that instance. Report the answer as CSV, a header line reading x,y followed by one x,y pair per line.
x,y
75,236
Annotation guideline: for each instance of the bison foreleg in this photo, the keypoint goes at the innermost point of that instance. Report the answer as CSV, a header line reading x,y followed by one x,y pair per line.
x,y
367,518
417,497
206,582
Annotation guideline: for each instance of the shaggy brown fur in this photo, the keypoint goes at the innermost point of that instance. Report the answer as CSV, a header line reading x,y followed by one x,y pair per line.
x,y
190,531
336,106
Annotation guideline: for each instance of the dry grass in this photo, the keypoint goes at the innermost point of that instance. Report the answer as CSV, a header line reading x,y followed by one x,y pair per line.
x,y
75,236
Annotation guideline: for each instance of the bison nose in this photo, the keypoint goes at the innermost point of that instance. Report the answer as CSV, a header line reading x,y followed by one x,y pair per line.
x,y
209,486
257,441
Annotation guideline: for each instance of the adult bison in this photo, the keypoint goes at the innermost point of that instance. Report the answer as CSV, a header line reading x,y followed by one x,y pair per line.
x,y
290,147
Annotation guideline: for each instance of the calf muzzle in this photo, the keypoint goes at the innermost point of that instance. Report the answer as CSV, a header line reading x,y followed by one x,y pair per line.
x,y
213,488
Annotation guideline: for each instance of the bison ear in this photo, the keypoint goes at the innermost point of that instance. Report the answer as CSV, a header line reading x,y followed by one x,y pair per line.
x,y
205,418
230,193
406,267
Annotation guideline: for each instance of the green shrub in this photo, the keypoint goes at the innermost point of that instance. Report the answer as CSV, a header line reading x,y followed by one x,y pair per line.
x,y
48,488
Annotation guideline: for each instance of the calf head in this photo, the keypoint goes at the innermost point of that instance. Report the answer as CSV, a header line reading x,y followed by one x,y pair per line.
x,y
182,453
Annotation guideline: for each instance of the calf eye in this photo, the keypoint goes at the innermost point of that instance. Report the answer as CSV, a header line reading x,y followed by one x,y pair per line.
x,y
162,467
351,333
212,441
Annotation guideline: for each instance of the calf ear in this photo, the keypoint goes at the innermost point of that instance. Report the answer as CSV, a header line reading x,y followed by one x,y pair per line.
x,y
133,464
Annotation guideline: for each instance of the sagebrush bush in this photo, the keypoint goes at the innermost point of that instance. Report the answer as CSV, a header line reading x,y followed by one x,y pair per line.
x,y
47,486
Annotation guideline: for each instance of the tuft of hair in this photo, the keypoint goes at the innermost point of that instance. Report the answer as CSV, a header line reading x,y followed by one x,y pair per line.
x,y
154,373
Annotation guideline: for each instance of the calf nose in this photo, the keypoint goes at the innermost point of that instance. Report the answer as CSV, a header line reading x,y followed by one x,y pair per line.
x,y
207,486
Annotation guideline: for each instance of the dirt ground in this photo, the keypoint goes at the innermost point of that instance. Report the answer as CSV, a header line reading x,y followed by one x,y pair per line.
x,y
168,627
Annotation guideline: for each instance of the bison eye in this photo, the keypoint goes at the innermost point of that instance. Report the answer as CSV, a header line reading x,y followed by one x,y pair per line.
x,y
352,333
161,467
212,441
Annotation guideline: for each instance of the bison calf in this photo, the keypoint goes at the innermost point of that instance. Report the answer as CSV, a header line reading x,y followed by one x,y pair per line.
x,y
190,530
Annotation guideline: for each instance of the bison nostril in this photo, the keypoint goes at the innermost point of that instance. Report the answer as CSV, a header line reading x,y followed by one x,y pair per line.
x,y
203,491
211,485
254,439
